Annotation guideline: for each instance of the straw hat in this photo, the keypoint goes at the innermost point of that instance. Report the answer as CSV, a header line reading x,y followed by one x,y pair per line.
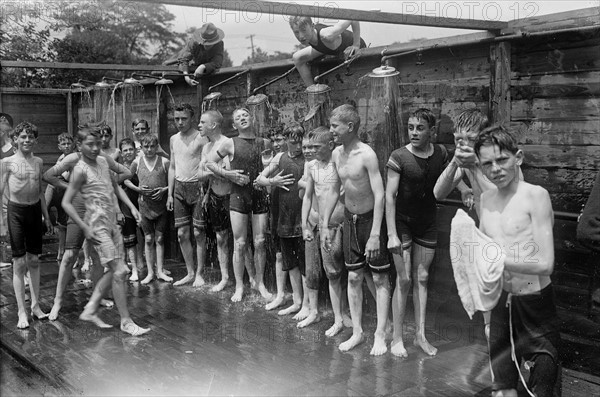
x,y
209,34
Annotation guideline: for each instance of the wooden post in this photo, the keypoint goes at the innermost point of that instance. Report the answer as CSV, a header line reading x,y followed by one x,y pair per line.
x,y
499,106
70,113
249,83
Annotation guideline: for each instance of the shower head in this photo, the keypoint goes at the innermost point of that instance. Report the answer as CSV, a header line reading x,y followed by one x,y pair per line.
x,y
80,84
163,81
105,84
212,96
384,71
131,81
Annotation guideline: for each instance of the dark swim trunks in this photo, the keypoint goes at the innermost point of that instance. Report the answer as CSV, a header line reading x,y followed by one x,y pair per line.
x,y
356,232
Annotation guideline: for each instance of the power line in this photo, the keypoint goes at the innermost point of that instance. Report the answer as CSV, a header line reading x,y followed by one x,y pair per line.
x,y
251,37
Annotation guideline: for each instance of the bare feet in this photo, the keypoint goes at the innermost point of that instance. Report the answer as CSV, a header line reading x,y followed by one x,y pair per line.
x,y
275,303
167,272
334,329
164,277
23,321
133,329
425,345
237,296
186,280
38,314
302,314
379,346
93,318
134,277
312,318
264,292
355,340
147,279
198,282
292,309
54,312
219,287
397,348
107,303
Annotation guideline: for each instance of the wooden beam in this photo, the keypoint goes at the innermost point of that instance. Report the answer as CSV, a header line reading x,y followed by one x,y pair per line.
x,y
499,107
562,20
90,66
262,7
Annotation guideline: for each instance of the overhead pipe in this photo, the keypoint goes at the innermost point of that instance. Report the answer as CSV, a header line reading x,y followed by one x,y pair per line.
x,y
268,83
347,62
228,79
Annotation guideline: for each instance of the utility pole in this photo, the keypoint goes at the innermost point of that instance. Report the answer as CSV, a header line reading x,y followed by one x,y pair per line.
x,y
251,37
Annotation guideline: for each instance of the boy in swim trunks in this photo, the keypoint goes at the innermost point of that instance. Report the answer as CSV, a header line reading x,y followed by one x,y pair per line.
x,y
21,175
411,219
92,179
358,173
518,217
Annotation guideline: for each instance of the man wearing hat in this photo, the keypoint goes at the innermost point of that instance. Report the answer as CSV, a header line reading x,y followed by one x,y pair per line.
x,y
203,51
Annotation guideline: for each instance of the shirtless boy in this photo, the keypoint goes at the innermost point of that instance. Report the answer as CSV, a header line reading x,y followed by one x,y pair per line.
x,y
518,217
216,200
185,191
245,200
21,173
318,176
358,173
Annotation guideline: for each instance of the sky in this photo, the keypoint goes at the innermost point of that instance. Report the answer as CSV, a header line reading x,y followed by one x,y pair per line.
x,y
272,33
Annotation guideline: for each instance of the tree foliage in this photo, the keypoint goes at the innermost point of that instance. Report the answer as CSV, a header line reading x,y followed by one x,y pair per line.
x,y
262,56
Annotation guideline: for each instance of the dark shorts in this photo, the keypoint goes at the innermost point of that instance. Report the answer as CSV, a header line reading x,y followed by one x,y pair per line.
x,y
157,225
187,202
247,199
356,232
214,213
536,339
75,236
129,232
416,230
61,216
292,253
25,228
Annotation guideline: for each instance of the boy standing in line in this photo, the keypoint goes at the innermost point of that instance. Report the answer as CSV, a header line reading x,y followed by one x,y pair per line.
x,y
358,173
518,217
21,173
6,150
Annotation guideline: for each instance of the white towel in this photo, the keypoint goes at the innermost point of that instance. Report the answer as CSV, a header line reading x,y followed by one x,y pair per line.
x,y
478,263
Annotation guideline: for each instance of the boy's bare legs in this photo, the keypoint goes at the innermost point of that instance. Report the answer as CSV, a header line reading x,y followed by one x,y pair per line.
x,y
305,309
132,253
185,243
382,288
422,258
34,288
313,306
200,236
91,308
301,58
239,226
223,256
64,275
280,278
161,272
296,281
19,270
355,301
335,294
62,236
403,281
259,229
150,248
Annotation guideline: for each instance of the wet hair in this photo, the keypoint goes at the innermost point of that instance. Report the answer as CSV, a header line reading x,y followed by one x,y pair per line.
x,y
497,135
185,107
126,141
470,120
240,109
215,116
299,21
348,114
320,134
106,128
149,139
294,132
8,118
26,126
139,121
65,136
276,130
424,114
83,131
